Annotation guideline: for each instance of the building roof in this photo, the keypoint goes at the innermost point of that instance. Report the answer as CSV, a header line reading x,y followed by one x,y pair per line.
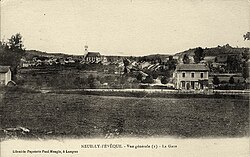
x,y
4,69
143,73
93,54
209,58
192,67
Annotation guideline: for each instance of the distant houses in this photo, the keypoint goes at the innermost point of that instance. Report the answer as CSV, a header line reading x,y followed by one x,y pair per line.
x,y
191,76
5,75
223,58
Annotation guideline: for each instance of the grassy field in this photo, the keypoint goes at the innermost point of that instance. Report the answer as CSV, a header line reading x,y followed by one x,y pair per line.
x,y
75,115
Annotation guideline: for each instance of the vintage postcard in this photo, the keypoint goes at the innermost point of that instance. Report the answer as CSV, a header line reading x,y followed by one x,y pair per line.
x,y
124,78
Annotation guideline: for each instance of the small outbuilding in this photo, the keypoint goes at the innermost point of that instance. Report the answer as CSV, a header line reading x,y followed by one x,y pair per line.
x,y
5,75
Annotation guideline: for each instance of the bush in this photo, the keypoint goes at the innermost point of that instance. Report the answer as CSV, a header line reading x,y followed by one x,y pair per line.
x,y
231,87
149,79
216,80
139,77
155,75
164,80
231,80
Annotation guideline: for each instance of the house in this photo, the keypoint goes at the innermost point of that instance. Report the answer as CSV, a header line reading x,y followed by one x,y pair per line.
x,y
61,61
165,60
209,58
143,74
104,60
69,60
5,75
222,58
144,65
191,76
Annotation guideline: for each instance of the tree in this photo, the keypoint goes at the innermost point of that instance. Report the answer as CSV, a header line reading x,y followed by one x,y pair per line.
x,y
154,75
245,70
186,59
91,81
198,55
216,80
126,63
231,80
164,80
245,55
139,77
125,70
170,58
246,36
149,79
15,43
233,64
215,59
123,80
172,64
210,65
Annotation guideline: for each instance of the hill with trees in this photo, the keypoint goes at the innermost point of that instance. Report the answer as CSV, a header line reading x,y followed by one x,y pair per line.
x,y
215,51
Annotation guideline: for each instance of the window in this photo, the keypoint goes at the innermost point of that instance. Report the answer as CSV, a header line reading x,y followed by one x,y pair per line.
x,y
192,75
202,75
183,74
192,84
183,84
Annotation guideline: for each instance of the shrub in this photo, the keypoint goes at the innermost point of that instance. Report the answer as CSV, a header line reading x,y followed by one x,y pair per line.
x,y
231,80
216,80
164,80
139,77
149,79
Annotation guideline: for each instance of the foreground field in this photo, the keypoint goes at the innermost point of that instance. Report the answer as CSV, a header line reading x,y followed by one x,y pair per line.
x,y
76,115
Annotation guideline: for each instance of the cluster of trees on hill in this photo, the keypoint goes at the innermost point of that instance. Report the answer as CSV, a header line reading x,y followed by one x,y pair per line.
x,y
198,56
236,58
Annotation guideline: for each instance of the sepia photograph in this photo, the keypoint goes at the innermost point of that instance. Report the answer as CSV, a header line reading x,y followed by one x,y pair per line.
x,y
124,78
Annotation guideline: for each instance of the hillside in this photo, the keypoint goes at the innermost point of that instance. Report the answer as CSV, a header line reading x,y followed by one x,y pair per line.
x,y
214,51
33,53
227,49
157,56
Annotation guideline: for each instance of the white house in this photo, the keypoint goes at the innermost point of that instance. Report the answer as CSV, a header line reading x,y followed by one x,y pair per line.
x,y
191,76
5,75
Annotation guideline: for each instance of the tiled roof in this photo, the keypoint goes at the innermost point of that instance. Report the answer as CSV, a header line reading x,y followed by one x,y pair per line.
x,y
4,69
191,67
93,54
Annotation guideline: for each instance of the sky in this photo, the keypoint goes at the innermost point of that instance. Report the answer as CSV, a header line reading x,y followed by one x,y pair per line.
x,y
125,27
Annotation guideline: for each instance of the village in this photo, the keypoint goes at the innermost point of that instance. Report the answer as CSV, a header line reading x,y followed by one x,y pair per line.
x,y
223,67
